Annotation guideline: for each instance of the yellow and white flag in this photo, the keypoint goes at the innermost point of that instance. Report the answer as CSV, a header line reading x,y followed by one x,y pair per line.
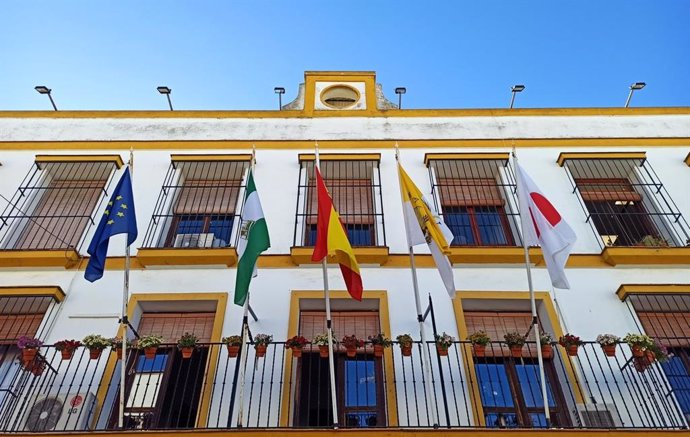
x,y
424,226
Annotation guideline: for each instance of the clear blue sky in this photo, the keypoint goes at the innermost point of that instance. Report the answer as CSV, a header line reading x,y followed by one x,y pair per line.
x,y
453,54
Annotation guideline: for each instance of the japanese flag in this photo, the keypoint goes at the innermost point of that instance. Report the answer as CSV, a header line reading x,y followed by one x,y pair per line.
x,y
543,225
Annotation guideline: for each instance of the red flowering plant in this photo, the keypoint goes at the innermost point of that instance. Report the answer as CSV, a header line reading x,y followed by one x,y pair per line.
x,y
351,341
26,342
67,345
296,341
570,340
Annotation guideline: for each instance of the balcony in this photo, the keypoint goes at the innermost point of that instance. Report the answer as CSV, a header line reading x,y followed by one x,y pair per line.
x,y
279,391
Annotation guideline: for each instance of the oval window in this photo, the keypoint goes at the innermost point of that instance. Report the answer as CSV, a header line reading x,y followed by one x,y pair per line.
x,y
339,96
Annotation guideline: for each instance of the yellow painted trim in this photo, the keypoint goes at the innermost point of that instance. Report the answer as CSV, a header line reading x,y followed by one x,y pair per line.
x,y
646,255
464,156
565,156
54,291
493,255
187,256
312,77
384,318
626,290
218,319
340,157
292,145
550,309
687,160
212,157
115,159
39,258
365,255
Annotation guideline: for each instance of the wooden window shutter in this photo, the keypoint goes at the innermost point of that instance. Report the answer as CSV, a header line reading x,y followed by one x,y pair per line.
x,y
604,190
353,199
62,214
469,192
173,325
670,328
360,323
13,326
497,325
206,197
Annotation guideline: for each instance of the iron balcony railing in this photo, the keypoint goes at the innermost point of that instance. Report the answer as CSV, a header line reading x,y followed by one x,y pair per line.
x,y
206,391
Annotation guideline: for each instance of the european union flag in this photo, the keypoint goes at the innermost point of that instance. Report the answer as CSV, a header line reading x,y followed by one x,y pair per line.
x,y
118,218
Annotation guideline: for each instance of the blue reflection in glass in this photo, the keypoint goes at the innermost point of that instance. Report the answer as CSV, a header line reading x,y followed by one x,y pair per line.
x,y
190,225
501,420
155,365
493,385
678,377
458,221
360,384
221,227
490,227
528,375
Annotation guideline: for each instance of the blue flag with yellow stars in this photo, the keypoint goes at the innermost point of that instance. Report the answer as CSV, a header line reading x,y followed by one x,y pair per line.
x,y
118,218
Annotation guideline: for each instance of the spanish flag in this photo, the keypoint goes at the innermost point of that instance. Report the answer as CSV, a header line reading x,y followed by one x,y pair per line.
x,y
331,239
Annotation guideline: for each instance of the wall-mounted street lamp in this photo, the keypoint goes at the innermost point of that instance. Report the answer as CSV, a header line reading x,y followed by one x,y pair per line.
x,y
514,90
280,91
45,90
165,90
634,87
400,91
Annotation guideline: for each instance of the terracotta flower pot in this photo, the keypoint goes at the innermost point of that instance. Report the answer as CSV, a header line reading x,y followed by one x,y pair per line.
x,y
571,350
38,368
546,351
637,351
406,350
118,353
479,350
150,352
442,351
187,352
233,350
516,351
351,351
260,350
95,354
67,354
609,350
378,350
296,351
323,351
650,356
641,363
29,354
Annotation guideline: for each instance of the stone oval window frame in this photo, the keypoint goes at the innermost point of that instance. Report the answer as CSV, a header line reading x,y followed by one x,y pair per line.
x,y
343,89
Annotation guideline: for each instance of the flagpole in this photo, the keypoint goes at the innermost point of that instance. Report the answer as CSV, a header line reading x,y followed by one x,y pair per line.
x,y
533,303
331,362
420,318
245,327
124,321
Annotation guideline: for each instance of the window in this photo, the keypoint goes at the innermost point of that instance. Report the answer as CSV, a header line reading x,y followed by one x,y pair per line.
x,y
360,382
509,388
55,203
164,392
355,188
626,203
666,317
198,205
476,198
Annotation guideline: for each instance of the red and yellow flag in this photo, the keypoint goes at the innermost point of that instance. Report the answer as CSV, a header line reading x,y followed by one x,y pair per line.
x,y
331,239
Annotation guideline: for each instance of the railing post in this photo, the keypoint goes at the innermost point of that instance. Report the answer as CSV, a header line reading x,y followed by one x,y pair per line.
x,y
440,368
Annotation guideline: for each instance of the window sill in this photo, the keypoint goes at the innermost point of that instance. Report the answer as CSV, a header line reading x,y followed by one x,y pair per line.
x,y
493,255
169,256
39,258
646,255
365,255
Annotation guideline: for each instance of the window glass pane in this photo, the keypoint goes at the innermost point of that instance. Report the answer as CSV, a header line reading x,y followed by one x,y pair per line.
x,y
493,385
359,235
538,420
221,227
360,384
156,364
190,225
530,386
458,221
144,391
501,420
490,226
679,378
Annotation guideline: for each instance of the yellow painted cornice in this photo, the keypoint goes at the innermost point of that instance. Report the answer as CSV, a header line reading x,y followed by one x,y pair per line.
x,y
115,159
340,157
626,290
464,156
210,157
39,258
646,255
54,291
565,156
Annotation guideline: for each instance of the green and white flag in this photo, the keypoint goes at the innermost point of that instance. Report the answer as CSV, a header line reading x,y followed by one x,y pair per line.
x,y
253,240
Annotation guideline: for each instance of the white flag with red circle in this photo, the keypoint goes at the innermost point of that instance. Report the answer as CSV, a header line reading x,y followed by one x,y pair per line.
x,y
543,226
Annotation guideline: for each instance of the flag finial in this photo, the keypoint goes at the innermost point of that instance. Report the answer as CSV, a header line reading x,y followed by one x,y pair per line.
x,y
253,156
397,152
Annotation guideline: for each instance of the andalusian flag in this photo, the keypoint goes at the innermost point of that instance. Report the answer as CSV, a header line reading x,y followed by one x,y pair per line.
x,y
423,225
253,240
331,239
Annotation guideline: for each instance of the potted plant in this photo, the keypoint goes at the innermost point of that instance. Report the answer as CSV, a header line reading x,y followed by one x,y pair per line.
x,y
352,343
515,342
116,344
443,342
608,343
150,344
571,343
67,348
405,341
545,341
653,241
379,341
233,343
261,342
639,343
36,367
95,344
29,347
296,344
321,340
479,340
186,344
